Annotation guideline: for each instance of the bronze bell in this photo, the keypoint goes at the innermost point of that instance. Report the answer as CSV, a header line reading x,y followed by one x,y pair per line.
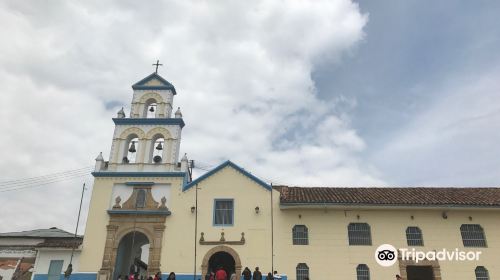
x,y
151,109
159,146
132,148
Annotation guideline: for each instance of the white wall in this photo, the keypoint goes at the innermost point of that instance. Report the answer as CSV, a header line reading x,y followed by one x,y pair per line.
x,y
44,257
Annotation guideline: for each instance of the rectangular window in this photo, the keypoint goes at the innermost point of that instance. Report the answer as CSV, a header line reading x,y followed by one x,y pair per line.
x,y
300,235
223,212
359,234
55,269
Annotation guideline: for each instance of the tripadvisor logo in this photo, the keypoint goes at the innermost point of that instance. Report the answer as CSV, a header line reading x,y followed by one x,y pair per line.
x,y
387,255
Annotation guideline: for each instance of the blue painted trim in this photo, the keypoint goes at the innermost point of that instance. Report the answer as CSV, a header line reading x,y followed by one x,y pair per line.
x,y
141,84
151,121
74,276
222,166
139,183
138,174
232,213
148,212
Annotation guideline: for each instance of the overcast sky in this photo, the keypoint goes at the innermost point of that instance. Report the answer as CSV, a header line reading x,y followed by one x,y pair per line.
x,y
309,93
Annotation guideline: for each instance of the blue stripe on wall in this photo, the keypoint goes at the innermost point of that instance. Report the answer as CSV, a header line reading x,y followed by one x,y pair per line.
x,y
198,277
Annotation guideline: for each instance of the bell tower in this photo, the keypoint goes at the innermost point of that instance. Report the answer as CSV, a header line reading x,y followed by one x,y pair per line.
x,y
133,191
148,140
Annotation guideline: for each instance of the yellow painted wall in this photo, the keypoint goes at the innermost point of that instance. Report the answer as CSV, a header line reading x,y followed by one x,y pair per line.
x,y
98,218
178,252
328,254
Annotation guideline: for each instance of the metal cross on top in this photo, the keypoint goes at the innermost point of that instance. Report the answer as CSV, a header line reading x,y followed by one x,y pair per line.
x,y
157,64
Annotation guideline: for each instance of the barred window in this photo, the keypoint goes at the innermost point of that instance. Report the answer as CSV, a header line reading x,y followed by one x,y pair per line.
x,y
302,271
482,273
223,212
414,236
473,235
300,235
359,234
363,272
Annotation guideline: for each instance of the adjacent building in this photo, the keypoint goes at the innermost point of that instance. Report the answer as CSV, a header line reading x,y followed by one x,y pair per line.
x,y
41,254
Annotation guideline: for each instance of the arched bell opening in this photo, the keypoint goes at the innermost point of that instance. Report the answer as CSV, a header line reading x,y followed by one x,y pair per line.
x,y
132,255
151,108
132,146
157,148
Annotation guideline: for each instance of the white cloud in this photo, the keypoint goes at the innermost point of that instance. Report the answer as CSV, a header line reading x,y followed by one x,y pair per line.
x,y
450,143
242,71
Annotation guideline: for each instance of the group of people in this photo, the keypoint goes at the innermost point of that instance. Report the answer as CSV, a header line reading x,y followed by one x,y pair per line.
x,y
136,276
221,274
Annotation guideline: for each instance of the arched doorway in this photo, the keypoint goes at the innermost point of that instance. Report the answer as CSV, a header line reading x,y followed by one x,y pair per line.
x,y
132,253
221,256
221,260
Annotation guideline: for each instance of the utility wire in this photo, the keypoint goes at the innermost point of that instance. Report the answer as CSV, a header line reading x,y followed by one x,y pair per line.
x,y
34,180
45,181
43,176
41,184
69,177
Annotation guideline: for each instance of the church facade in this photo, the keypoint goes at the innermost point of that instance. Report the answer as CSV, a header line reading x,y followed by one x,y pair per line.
x,y
147,214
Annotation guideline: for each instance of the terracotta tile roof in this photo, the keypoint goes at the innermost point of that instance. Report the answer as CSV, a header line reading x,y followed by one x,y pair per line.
x,y
61,243
483,197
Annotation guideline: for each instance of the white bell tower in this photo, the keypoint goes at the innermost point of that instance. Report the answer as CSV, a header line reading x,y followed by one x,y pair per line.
x,y
149,139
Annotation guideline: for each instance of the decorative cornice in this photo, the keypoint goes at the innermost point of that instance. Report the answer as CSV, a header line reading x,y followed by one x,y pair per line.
x,y
140,212
150,121
139,183
138,174
222,240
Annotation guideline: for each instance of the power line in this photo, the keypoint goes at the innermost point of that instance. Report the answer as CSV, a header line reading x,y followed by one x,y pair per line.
x,y
53,180
38,181
41,184
52,176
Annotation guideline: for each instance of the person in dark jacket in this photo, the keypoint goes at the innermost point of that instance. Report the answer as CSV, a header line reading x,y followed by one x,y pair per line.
x,y
256,274
171,276
247,274
269,276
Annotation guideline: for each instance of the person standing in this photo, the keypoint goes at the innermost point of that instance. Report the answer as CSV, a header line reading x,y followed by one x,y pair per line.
x,y
171,276
276,275
269,276
157,276
220,274
247,274
256,274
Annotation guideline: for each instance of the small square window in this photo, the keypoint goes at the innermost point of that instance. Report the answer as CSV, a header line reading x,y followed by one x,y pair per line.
x,y
223,212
